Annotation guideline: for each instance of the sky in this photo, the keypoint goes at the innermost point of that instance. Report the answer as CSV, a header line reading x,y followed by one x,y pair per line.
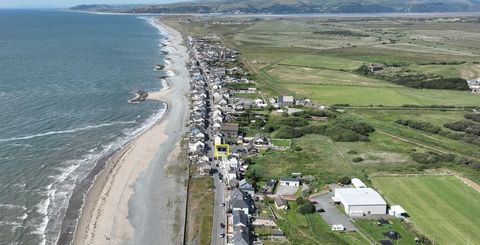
x,y
69,3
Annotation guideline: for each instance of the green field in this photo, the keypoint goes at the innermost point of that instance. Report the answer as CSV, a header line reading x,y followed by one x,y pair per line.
x,y
291,76
362,95
376,232
466,71
282,142
443,208
325,62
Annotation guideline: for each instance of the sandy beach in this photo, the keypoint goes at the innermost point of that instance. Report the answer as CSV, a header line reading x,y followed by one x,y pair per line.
x,y
139,198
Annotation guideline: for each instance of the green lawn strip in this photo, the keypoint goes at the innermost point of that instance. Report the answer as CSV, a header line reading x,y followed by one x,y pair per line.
x,y
443,208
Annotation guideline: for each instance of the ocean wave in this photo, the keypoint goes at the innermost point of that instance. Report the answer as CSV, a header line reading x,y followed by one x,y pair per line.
x,y
12,206
84,128
152,22
59,192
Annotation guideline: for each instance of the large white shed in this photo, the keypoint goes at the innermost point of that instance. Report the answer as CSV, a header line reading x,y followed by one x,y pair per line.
x,y
360,201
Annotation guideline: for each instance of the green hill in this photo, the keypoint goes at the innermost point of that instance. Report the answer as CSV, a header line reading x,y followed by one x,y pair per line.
x,y
295,6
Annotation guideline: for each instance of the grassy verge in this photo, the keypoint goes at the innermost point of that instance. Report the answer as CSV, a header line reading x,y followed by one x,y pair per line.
x,y
200,210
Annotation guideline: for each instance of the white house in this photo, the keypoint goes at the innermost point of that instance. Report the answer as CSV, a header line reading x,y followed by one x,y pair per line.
x,y
360,201
288,181
357,183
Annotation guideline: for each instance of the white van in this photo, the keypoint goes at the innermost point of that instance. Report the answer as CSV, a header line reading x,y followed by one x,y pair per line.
x,y
338,227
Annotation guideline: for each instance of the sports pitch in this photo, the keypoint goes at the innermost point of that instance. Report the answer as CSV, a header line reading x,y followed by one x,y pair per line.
x,y
443,208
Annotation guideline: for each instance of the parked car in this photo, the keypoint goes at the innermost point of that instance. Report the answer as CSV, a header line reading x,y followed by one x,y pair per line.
x,y
338,227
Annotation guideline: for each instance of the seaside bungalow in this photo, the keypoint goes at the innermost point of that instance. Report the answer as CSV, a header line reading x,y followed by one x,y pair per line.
x,y
290,181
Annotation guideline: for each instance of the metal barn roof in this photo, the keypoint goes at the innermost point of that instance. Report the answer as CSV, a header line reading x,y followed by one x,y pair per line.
x,y
359,196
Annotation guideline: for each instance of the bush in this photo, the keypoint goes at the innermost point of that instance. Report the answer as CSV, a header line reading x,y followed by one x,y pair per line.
x,y
298,148
358,127
357,159
314,129
473,117
306,208
344,135
287,133
300,201
352,152
424,126
459,125
345,180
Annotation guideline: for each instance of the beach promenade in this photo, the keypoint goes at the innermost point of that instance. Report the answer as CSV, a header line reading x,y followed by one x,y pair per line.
x,y
140,196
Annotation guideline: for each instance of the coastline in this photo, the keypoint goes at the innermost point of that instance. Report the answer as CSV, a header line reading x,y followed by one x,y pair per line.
x,y
115,203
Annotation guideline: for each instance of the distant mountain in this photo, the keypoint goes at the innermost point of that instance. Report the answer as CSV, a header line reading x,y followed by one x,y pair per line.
x,y
294,6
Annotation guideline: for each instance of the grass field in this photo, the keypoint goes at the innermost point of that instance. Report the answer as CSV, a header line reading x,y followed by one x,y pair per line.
x,y
466,71
362,95
292,75
327,160
325,62
282,142
443,208
376,232
200,211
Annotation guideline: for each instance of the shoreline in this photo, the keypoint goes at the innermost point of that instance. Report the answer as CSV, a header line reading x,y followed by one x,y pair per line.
x,y
107,213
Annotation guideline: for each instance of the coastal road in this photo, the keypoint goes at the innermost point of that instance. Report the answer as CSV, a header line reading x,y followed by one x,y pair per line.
x,y
218,212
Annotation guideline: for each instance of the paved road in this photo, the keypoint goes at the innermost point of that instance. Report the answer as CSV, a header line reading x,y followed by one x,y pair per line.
x,y
332,215
218,212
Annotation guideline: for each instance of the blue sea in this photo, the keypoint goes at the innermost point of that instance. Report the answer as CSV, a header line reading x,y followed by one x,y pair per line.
x,y
65,79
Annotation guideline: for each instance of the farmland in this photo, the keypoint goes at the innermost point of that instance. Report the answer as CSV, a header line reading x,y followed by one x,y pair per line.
x,y
317,58
443,208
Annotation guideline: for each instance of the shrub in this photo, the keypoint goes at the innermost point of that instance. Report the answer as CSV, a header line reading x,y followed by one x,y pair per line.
x,y
314,129
460,125
424,126
352,152
358,127
287,133
298,148
306,208
357,159
473,117
345,180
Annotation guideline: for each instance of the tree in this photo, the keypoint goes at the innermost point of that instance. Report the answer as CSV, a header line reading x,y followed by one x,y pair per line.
x,y
306,208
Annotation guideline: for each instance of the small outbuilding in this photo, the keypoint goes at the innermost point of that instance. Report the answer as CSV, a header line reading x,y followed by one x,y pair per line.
x,y
397,211
280,203
357,183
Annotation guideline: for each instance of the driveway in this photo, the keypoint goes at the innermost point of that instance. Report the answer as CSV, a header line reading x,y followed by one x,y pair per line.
x,y
332,215
286,190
